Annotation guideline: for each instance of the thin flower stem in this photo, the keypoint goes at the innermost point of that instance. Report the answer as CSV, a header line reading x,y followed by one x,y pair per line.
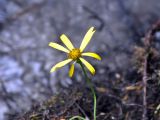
x,y
91,87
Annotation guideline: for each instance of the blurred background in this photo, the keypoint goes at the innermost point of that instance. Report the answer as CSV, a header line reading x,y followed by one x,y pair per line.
x,y
27,26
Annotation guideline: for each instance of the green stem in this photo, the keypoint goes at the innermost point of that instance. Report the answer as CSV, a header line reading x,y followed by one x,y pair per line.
x,y
79,117
91,87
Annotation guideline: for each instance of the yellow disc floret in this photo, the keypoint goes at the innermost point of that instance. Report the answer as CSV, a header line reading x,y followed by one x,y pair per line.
x,y
74,54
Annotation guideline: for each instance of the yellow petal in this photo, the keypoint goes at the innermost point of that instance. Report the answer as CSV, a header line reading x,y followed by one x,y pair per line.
x,y
91,54
88,65
60,64
71,71
87,38
66,41
58,47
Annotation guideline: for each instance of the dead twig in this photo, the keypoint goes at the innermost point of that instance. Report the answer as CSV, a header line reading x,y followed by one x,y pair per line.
x,y
95,16
80,108
26,10
145,88
148,41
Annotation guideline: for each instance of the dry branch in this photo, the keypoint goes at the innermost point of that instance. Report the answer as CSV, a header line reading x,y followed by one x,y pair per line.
x,y
148,41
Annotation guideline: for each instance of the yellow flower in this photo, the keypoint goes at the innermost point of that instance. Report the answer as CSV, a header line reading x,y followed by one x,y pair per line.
x,y
75,54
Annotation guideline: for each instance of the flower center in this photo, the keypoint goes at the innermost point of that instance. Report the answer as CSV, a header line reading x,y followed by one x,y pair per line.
x,y
74,54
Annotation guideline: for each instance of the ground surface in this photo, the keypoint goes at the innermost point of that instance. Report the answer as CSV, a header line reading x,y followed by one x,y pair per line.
x,y
27,26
